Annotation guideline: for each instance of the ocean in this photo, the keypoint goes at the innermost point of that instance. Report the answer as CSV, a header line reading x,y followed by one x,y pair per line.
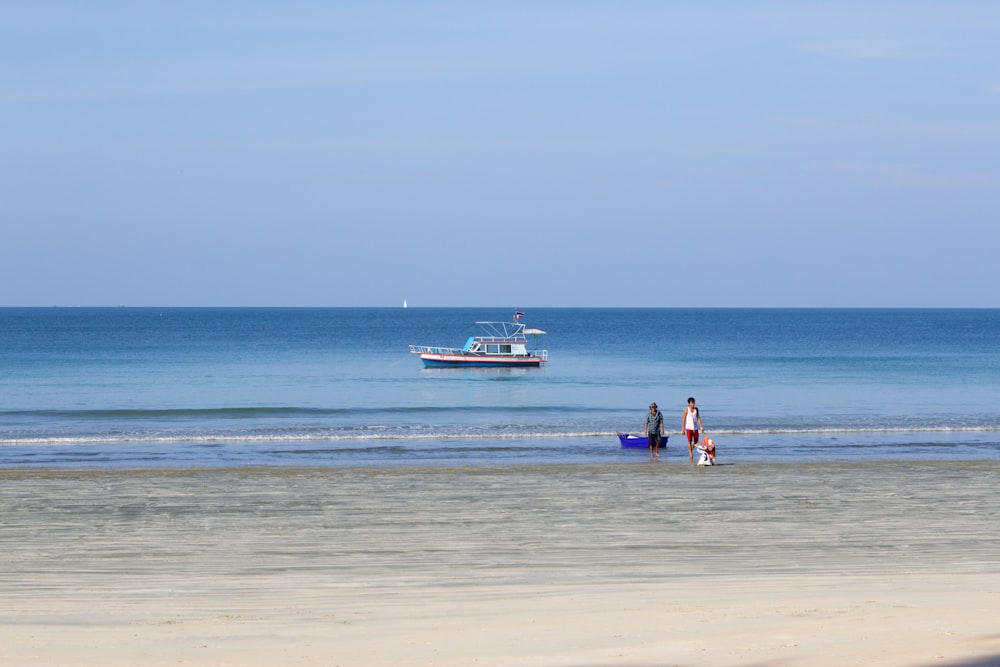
x,y
137,388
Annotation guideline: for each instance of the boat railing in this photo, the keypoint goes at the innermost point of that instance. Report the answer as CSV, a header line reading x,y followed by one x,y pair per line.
x,y
502,339
429,349
501,330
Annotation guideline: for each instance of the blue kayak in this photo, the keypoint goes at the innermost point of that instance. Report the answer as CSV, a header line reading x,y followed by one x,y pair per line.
x,y
630,440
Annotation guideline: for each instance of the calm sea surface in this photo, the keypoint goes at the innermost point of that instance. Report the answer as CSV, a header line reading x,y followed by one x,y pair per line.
x,y
150,387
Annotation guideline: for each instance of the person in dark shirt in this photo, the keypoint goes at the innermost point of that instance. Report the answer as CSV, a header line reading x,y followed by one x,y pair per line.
x,y
654,431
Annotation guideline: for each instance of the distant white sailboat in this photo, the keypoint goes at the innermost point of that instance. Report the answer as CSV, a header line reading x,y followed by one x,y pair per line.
x,y
404,303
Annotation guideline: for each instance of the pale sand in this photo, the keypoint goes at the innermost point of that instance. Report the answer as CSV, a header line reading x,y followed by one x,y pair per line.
x,y
652,564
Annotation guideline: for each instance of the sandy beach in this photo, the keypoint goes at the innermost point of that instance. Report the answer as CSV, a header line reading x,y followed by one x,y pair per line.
x,y
658,564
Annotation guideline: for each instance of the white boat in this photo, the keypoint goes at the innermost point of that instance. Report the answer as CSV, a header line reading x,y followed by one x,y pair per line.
x,y
500,344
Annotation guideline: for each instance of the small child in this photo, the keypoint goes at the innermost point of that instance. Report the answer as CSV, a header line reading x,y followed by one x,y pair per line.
x,y
707,451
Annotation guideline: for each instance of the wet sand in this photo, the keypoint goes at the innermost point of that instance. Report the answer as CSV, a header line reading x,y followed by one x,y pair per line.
x,y
645,564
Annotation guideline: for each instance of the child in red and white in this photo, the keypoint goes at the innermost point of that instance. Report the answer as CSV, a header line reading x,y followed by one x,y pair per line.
x,y
707,452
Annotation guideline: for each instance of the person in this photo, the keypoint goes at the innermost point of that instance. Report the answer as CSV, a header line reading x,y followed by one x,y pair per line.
x,y
707,450
654,431
691,426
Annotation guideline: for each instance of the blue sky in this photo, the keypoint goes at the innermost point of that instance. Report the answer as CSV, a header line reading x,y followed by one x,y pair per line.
x,y
500,154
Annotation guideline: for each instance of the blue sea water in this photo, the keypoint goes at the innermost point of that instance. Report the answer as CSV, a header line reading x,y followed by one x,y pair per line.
x,y
203,387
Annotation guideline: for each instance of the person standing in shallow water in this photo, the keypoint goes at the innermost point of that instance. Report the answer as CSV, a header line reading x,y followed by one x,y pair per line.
x,y
691,426
654,430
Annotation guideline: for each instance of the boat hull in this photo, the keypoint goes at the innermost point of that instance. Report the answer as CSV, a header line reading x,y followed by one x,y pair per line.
x,y
631,440
478,361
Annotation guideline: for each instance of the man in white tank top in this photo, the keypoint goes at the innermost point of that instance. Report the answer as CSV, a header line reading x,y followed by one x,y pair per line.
x,y
691,426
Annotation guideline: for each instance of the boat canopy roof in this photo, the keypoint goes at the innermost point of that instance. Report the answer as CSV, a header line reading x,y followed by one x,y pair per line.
x,y
514,330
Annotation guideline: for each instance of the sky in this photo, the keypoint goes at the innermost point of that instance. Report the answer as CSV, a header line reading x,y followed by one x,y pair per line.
x,y
678,153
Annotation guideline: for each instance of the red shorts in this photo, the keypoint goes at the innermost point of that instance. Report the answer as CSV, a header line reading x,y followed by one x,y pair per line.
x,y
692,435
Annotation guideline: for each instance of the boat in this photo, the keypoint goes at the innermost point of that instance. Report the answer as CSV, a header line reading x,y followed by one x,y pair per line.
x,y
631,440
499,345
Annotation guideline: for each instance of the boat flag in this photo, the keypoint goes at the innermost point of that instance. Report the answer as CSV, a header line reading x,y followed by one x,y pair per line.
x,y
518,314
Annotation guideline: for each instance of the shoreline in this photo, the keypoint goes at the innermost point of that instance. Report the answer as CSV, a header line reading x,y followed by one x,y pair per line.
x,y
566,565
